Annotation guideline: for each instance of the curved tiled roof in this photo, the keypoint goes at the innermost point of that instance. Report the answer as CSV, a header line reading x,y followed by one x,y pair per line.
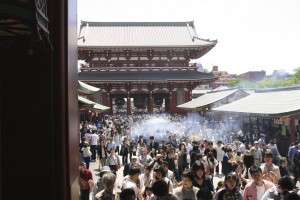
x,y
140,34
266,102
208,98
144,76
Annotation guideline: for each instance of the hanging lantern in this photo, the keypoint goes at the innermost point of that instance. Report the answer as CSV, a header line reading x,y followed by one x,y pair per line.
x,y
170,54
119,101
158,101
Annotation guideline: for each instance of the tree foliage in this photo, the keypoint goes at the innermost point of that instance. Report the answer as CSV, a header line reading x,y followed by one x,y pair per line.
x,y
273,82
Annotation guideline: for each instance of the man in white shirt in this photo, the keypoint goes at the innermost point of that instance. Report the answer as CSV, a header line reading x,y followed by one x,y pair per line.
x,y
94,142
132,181
240,134
242,147
87,136
110,145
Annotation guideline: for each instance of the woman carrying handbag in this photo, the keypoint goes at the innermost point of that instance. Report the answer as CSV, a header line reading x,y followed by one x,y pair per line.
x,y
113,161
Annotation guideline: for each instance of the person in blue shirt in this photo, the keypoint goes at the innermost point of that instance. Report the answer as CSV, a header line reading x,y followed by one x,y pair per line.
x,y
292,150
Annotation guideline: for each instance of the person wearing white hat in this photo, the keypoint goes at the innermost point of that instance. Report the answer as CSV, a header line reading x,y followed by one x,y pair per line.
x,y
100,185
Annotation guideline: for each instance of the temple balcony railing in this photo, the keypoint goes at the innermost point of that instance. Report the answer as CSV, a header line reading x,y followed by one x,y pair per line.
x,y
157,68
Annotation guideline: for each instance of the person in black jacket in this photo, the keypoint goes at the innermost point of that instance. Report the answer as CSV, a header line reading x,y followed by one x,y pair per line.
x,y
153,146
170,161
124,152
210,148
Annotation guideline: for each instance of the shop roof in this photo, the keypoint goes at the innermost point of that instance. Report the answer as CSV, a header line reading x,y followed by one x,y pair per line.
x,y
93,105
266,102
208,98
87,89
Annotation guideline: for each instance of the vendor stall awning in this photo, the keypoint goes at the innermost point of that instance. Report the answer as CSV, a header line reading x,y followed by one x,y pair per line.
x,y
207,99
266,102
94,104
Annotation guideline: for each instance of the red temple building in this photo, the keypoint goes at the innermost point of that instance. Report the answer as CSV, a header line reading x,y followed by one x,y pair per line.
x,y
142,65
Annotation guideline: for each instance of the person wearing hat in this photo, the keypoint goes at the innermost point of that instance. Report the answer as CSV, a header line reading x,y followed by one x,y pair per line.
x,y
100,183
109,191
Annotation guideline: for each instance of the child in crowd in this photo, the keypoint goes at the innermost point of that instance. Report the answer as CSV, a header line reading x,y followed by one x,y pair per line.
x,y
220,185
148,192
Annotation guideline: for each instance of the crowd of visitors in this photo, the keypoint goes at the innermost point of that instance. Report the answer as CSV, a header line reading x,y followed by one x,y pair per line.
x,y
184,167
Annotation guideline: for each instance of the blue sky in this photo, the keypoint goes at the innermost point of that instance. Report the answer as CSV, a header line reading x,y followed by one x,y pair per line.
x,y
252,35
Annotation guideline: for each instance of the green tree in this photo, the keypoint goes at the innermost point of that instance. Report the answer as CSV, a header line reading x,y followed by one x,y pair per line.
x,y
268,83
235,82
296,75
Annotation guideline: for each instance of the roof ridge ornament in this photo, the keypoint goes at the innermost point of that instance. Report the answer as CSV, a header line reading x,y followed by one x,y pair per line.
x,y
189,29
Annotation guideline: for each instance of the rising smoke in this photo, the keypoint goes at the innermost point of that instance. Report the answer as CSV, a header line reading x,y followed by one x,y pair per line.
x,y
163,125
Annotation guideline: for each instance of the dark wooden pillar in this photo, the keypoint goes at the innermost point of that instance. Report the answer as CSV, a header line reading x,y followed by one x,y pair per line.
x,y
128,103
48,94
150,102
292,129
172,97
128,88
106,100
90,117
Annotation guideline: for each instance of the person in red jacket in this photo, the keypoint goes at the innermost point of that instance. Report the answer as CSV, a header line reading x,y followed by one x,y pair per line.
x,y
86,181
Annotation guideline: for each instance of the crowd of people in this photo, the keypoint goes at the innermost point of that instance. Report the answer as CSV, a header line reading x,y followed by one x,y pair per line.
x,y
181,166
